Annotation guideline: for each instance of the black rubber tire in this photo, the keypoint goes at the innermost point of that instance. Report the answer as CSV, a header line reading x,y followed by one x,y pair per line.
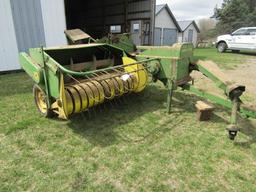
x,y
222,47
47,113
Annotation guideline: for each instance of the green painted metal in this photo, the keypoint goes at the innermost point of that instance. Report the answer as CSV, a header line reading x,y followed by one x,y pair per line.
x,y
46,80
211,76
122,41
170,86
225,102
171,65
174,62
247,112
31,68
47,67
49,63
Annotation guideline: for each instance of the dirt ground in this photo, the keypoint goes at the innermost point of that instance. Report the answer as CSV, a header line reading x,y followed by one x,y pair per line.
x,y
244,75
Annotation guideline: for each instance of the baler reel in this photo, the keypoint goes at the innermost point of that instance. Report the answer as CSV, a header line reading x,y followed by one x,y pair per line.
x,y
99,87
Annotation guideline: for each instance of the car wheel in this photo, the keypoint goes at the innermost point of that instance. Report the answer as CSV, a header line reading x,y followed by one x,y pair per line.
x,y
222,47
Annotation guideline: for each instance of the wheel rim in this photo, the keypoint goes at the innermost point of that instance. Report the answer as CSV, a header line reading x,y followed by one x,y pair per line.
x,y
221,47
41,100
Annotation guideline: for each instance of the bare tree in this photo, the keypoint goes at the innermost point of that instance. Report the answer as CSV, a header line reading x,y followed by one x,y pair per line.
x,y
206,26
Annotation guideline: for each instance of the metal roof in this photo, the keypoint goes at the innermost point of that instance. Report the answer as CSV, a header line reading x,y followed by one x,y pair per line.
x,y
185,24
159,8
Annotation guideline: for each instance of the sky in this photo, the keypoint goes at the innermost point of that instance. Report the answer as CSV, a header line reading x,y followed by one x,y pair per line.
x,y
191,9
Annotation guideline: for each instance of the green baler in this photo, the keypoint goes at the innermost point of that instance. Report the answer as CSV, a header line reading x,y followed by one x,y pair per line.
x,y
75,78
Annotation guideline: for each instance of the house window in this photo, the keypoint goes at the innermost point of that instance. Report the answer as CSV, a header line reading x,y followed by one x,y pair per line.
x,y
136,27
115,29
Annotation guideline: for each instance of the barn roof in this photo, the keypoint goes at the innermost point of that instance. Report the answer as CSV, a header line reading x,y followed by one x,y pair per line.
x,y
185,24
159,8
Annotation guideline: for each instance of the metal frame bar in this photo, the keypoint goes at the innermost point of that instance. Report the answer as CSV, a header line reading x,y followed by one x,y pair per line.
x,y
244,111
67,71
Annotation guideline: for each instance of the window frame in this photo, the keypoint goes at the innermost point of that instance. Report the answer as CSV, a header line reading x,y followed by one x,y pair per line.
x,y
137,28
115,29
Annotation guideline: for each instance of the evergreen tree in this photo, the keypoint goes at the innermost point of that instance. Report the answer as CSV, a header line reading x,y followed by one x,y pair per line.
x,y
235,14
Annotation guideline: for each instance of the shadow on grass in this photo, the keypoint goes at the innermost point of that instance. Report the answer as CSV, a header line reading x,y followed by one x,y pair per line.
x,y
99,125
243,53
249,130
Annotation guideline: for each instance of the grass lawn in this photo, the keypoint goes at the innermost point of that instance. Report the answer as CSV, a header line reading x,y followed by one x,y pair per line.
x,y
131,145
226,60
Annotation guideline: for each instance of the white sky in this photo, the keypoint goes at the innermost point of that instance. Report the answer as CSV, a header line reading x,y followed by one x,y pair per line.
x,y
191,9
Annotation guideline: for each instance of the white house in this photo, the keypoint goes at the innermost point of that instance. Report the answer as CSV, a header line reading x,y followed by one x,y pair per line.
x,y
166,26
189,32
169,31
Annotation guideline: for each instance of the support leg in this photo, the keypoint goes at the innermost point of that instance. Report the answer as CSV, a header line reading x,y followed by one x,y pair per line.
x,y
169,97
233,128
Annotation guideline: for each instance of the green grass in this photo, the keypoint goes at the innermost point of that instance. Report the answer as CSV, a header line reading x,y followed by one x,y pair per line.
x,y
226,60
132,145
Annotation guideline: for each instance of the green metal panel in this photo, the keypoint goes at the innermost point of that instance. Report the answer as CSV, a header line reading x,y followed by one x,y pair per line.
x,y
36,54
31,67
174,61
122,41
54,84
36,60
52,76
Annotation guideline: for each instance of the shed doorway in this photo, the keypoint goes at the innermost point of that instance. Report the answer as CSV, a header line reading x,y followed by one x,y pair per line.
x,y
98,18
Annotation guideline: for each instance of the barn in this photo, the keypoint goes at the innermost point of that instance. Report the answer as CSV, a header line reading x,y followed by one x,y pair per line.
x,y
34,23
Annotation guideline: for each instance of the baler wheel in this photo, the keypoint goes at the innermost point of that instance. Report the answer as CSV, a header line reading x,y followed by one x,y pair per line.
x,y
40,100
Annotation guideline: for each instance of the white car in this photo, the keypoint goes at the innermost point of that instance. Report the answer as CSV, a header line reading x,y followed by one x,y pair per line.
x,y
241,39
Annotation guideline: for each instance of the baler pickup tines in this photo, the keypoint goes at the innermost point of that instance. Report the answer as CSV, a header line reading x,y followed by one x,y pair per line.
x,y
102,85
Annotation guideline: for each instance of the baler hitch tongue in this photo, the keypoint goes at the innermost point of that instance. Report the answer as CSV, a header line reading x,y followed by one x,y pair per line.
x,y
232,90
